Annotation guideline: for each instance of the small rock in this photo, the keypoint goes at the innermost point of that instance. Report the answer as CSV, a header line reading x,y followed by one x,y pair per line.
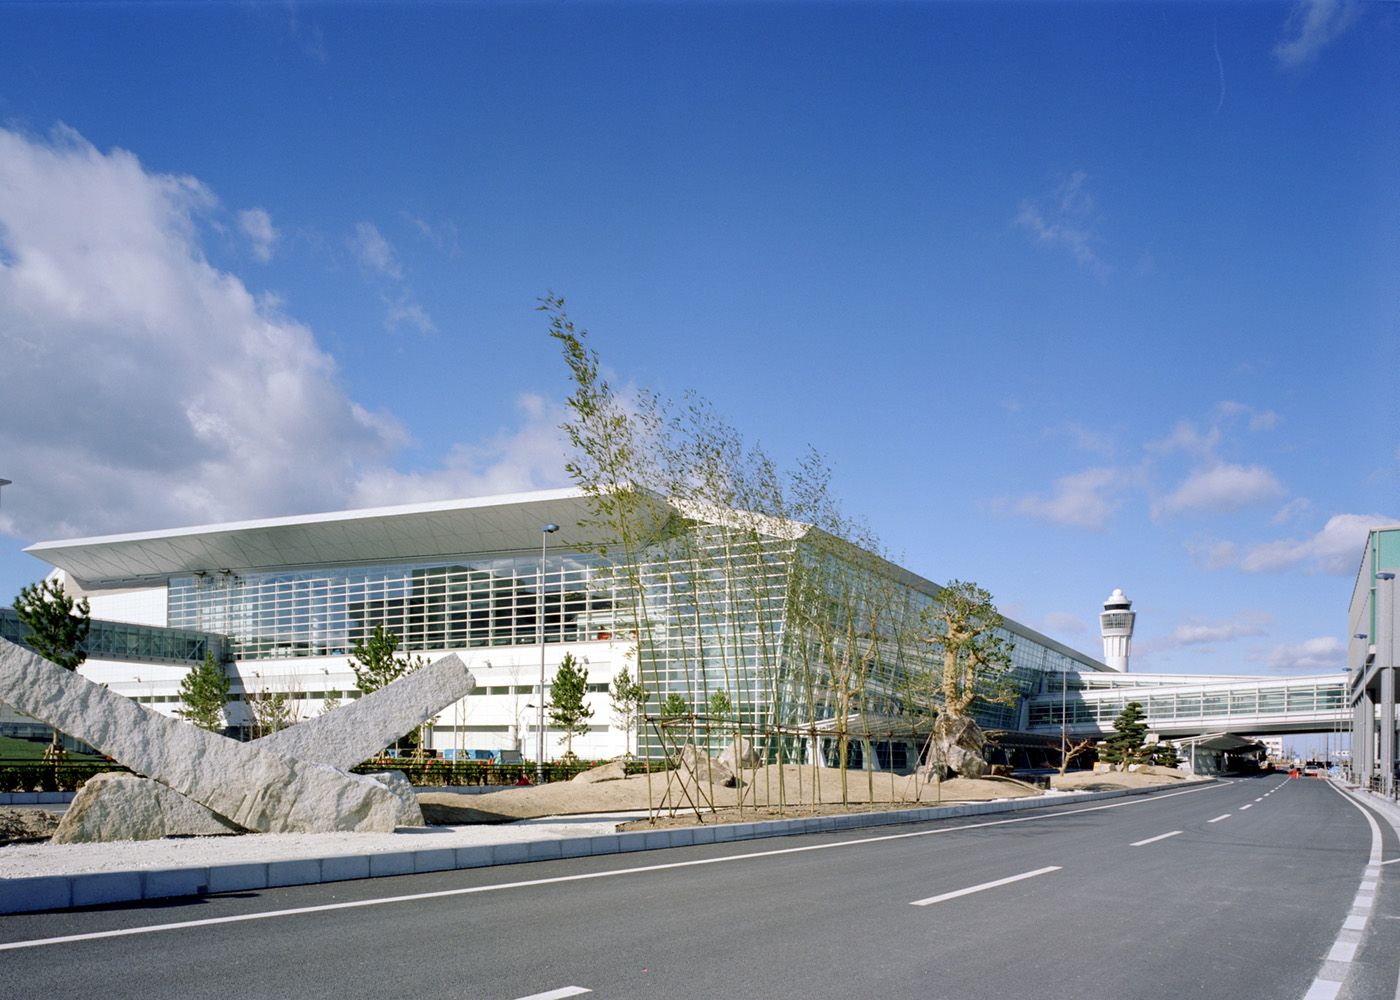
x,y
739,754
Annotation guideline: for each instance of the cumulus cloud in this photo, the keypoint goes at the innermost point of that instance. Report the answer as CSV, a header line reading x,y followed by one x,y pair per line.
x,y
1201,633
1066,221
256,224
1324,655
1336,548
1083,499
528,456
145,387
1221,488
1311,27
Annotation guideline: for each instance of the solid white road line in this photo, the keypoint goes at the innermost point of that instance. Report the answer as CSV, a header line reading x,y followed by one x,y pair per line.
x,y
1391,861
1219,818
1153,840
555,880
559,994
1354,926
985,885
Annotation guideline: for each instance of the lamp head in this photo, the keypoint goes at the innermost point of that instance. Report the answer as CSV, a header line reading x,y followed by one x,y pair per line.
x,y
549,529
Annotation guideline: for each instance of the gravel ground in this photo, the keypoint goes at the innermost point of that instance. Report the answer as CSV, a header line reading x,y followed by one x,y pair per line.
x,y
28,860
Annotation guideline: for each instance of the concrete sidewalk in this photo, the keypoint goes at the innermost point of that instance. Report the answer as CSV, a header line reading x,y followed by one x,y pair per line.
x,y
63,876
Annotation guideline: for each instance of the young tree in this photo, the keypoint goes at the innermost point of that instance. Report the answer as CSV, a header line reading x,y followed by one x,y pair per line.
x,y
374,662
1073,750
674,706
204,692
720,711
1126,744
567,709
58,627
627,699
271,711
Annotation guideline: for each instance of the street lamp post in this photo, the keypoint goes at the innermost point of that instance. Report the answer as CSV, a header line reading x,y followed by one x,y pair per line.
x,y
545,532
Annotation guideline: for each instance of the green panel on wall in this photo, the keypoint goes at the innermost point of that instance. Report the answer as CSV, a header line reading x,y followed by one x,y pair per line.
x,y
1388,549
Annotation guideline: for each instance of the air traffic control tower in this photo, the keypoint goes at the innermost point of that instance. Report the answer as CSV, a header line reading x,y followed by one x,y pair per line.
x,y
1116,627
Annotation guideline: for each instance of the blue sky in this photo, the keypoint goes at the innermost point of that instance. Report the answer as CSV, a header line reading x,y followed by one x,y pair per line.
x,y
1072,296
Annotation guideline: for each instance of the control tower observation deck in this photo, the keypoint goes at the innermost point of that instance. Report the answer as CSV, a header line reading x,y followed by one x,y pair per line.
x,y
1116,627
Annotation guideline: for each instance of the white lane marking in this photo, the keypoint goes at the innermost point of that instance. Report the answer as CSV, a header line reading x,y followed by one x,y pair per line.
x,y
586,876
985,885
1369,885
1259,799
559,994
1323,989
1391,861
1345,951
1247,805
1219,818
1342,951
1153,840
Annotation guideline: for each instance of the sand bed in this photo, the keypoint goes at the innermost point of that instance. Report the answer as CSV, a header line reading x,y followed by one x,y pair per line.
x,y
799,789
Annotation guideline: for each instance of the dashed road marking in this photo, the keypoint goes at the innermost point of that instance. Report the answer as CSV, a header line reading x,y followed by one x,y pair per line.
x,y
1219,818
984,886
559,994
1153,840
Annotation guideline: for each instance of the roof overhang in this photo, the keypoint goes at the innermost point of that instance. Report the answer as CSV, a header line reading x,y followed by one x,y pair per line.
x,y
442,529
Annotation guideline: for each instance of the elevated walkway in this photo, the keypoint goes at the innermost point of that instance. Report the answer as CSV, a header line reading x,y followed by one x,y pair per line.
x,y
1178,705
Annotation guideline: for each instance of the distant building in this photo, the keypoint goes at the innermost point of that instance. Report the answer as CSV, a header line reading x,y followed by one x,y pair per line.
x,y
1116,627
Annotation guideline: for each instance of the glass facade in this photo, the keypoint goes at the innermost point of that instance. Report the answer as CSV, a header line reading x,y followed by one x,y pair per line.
x,y
716,602
433,606
133,643
1234,704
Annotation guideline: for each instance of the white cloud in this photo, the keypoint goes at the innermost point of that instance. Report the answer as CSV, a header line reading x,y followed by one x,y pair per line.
x,y
1066,623
256,224
1189,438
1311,27
406,311
1323,655
1294,509
1066,222
1084,438
144,387
1082,499
1221,488
374,252
1199,633
1336,548
529,456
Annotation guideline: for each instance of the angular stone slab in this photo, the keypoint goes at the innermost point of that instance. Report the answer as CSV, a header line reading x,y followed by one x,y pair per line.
x,y
142,809
116,806
355,732
252,786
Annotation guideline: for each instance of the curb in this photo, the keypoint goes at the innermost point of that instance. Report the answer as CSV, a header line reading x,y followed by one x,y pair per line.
x,y
35,798
62,892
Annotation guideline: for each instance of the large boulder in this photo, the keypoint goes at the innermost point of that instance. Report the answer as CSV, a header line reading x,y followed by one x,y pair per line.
x,y
739,754
118,806
957,748
613,770
697,766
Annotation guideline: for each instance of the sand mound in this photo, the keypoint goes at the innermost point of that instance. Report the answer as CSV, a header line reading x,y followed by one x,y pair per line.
x,y
791,785
1102,781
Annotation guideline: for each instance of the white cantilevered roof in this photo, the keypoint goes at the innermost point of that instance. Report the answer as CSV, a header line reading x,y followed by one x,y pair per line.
x,y
481,525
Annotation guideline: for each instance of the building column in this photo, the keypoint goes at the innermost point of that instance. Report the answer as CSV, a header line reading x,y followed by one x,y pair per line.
x,y
1386,763
1363,739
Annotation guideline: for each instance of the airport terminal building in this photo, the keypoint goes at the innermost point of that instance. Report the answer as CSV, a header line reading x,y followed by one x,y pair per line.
x,y
282,601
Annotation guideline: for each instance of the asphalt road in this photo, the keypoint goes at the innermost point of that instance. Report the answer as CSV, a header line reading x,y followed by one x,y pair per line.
x,y
1219,891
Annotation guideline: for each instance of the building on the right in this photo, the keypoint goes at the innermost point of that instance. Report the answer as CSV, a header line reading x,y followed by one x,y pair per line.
x,y
1372,661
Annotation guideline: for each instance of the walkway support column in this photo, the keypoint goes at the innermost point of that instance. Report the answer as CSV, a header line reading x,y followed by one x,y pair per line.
x,y
1385,656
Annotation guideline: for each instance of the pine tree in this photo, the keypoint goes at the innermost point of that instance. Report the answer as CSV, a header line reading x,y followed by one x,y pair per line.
x,y
628,696
720,710
1164,755
204,692
1126,744
375,665
674,706
58,627
567,710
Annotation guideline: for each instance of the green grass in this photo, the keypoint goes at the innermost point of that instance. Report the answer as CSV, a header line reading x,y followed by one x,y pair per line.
x,y
12,749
